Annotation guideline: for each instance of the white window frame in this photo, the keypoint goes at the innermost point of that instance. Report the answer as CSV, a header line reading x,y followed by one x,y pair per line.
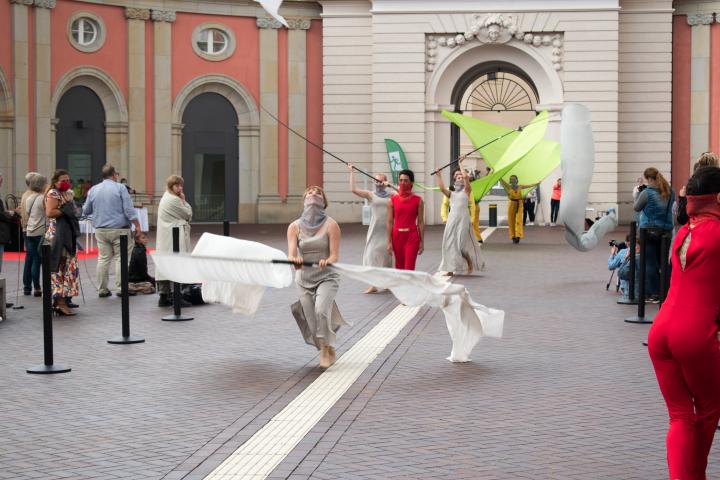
x,y
98,39
201,34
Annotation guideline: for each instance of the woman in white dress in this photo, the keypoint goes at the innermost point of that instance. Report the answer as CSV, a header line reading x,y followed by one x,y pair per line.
x,y
457,244
315,238
376,253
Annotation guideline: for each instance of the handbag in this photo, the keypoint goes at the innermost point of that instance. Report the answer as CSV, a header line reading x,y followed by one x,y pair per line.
x,y
655,234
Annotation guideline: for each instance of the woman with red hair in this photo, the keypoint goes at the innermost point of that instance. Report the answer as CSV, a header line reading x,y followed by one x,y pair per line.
x,y
683,342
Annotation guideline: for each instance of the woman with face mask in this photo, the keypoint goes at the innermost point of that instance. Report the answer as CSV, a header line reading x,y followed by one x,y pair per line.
x,y
515,207
61,233
375,254
315,238
405,223
457,244
683,340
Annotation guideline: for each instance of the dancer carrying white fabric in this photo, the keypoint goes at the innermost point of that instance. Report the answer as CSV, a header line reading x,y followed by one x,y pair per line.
x,y
457,243
315,238
376,253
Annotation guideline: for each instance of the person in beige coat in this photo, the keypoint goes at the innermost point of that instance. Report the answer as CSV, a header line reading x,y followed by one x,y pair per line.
x,y
173,211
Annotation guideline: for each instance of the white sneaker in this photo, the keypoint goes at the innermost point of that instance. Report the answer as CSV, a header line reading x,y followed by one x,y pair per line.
x,y
530,224
552,224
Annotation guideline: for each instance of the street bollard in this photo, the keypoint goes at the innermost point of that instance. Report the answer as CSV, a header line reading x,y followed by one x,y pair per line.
x,y
630,299
125,338
640,317
48,366
492,215
177,315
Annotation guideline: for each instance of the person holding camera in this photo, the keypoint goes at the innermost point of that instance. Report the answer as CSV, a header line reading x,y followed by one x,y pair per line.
x,y
654,204
619,259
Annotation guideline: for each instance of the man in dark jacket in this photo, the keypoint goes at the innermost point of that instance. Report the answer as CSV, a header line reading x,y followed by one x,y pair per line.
x,y
7,220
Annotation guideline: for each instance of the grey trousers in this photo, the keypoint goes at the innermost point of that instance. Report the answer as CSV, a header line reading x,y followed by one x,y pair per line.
x,y
108,240
314,313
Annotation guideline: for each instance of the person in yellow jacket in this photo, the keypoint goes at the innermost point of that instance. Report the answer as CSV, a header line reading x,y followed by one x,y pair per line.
x,y
515,207
473,208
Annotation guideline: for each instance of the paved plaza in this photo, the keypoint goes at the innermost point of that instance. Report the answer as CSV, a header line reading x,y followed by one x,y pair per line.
x,y
568,393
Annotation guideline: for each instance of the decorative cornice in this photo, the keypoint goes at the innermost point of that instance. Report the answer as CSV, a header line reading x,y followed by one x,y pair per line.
x,y
22,2
700,19
494,28
264,22
162,16
298,23
49,4
137,13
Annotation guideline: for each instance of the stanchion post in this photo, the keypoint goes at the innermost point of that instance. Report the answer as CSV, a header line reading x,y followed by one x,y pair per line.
x,y
640,317
48,366
492,215
664,266
177,315
226,228
631,300
125,338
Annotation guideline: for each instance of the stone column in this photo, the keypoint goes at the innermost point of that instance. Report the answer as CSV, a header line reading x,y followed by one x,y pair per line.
x,y
165,164
44,147
700,84
297,106
136,18
20,162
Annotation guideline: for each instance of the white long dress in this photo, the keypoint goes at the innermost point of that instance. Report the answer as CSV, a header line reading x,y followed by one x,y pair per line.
x,y
457,244
376,254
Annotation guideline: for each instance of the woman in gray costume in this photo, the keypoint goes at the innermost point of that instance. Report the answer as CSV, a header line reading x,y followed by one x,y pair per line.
x,y
315,238
376,253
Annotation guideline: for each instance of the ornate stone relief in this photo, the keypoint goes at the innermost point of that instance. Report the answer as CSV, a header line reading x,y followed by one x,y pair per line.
x,y
137,13
22,2
162,16
700,19
293,23
494,28
49,4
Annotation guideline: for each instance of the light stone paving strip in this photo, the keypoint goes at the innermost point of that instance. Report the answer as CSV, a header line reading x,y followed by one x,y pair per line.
x,y
258,457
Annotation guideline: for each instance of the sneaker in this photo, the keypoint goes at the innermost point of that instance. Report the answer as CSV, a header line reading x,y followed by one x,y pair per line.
x,y
27,292
37,292
552,224
104,294
130,294
530,224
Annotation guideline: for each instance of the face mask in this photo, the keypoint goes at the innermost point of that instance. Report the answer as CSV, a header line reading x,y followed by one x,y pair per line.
x,y
405,188
64,186
313,215
459,186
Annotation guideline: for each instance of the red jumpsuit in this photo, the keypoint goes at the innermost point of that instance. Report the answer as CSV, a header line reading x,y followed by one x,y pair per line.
x,y
685,351
405,236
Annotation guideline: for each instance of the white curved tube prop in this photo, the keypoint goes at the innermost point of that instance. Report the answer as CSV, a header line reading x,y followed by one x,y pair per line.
x,y
577,158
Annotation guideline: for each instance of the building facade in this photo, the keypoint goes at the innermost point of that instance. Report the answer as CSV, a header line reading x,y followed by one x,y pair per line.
x,y
171,86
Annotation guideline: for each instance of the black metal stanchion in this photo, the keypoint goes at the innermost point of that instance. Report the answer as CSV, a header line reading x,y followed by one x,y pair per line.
x,y
125,338
492,215
48,366
630,299
640,317
177,315
226,228
664,266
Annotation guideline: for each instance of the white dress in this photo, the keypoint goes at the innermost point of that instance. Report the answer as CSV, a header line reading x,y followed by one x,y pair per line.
x,y
457,245
376,254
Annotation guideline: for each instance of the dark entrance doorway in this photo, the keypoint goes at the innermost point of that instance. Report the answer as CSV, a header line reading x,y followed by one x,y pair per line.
x,y
80,135
210,158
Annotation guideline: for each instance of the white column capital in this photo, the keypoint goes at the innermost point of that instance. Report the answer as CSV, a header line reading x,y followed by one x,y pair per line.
x,y
22,2
163,16
137,13
49,4
700,19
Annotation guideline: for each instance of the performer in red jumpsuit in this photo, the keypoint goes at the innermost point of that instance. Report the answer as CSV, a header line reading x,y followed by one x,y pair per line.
x,y
405,223
683,342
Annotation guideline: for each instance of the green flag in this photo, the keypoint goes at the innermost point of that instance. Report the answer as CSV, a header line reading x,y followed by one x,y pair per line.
x,y
396,157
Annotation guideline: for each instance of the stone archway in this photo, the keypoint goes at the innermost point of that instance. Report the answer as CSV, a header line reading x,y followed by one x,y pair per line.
x,y
248,129
113,102
446,75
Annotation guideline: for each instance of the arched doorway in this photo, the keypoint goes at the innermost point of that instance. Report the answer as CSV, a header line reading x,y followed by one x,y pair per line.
x,y
80,134
210,158
496,92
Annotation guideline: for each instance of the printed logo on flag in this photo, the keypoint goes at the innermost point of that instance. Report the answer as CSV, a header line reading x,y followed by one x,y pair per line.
x,y
395,161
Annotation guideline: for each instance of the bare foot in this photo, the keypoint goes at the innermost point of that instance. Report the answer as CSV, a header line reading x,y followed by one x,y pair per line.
x,y
371,290
449,274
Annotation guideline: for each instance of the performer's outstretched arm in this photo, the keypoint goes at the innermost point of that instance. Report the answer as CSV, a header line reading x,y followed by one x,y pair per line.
x,y
292,238
366,194
441,184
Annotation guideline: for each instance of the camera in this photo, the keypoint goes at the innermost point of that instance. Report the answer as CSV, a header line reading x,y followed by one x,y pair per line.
x,y
642,187
618,245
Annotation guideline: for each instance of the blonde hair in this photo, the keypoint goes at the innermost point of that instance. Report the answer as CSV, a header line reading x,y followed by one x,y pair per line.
x,y
319,189
173,180
706,159
663,186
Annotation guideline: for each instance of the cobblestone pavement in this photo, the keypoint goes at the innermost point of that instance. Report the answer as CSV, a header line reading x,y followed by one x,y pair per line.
x,y
569,393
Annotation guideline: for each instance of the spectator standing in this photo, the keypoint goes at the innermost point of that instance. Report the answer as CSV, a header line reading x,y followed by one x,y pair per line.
x,y
529,210
33,223
7,220
173,211
654,204
555,202
112,214
707,159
